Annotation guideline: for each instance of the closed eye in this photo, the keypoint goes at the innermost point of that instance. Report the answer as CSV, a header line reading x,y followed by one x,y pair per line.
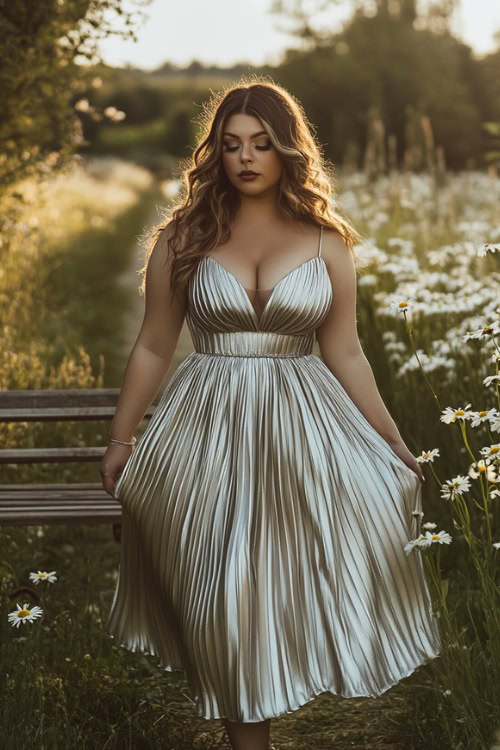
x,y
260,148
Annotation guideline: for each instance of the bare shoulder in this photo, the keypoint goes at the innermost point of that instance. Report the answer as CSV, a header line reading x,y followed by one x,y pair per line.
x,y
164,311
160,266
338,258
162,248
333,243
162,257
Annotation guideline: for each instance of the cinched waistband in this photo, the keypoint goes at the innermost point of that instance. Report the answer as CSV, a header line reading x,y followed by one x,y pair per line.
x,y
253,344
258,356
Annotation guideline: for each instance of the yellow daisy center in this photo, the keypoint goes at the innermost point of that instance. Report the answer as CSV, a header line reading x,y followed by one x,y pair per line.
x,y
494,449
483,413
487,329
23,613
42,575
459,412
436,536
403,304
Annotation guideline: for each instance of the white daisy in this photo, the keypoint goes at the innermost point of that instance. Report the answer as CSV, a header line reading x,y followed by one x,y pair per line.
x,y
483,416
488,247
43,576
495,423
495,493
440,537
420,541
451,415
425,540
487,330
496,545
482,468
400,304
24,614
491,379
429,525
427,456
491,452
456,486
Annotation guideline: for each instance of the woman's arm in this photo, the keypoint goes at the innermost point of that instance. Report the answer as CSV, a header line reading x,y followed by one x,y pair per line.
x,y
341,350
154,348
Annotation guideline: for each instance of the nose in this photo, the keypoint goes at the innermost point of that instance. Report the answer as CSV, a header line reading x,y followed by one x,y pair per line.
x,y
246,153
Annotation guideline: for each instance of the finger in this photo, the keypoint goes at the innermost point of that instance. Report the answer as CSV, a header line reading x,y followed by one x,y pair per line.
x,y
108,481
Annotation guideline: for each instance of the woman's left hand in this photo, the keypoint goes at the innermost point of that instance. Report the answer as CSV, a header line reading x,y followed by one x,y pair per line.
x,y
408,458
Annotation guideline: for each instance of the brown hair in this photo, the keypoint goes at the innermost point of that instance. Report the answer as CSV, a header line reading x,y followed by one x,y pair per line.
x,y
202,217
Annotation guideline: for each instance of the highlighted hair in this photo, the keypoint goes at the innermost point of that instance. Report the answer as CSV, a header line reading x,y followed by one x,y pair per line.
x,y
202,216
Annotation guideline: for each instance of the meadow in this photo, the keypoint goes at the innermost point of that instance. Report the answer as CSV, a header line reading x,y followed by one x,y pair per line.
x,y
428,320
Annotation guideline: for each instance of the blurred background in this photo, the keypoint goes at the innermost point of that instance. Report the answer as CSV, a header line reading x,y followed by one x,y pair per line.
x,y
101,100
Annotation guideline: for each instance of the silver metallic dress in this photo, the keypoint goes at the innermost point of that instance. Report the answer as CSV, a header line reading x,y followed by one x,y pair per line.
x,y
264,518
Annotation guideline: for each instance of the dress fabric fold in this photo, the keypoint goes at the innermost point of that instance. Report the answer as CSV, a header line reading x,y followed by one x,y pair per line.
x,y
264,519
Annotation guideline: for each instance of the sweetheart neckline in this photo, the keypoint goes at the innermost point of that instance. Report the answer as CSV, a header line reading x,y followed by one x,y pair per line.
x,y
258,319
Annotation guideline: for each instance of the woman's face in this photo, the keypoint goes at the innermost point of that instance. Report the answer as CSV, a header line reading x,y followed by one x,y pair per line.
x,y
246,146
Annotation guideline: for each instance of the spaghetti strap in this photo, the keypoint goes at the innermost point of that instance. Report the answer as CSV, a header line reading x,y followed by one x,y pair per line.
x,y
320,240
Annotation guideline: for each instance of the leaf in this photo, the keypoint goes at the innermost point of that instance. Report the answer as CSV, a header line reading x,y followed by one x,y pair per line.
x,y
444,588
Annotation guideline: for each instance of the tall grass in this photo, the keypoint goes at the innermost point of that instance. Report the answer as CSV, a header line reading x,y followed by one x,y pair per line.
x,y
435,254
469,667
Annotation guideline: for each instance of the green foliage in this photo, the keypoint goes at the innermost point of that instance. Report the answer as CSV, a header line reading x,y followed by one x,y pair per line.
x,y
493,130
383,62
59,304
126,139
41,46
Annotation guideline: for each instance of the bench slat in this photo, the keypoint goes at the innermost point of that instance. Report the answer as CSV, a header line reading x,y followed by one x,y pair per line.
x,y
55,486
47,397
63,414
78,403
43,507
61,502
51,455
36,516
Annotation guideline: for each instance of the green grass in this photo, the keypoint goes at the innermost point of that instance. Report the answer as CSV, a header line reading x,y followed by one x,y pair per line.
x,y
65,683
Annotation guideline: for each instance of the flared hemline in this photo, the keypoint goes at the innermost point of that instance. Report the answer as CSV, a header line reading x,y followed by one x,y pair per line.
x,y
288,709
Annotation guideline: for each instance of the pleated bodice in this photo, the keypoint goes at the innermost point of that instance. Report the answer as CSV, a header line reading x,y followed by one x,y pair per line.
x,y
223,320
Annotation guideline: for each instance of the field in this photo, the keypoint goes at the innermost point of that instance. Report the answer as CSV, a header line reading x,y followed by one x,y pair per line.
x,y
428,320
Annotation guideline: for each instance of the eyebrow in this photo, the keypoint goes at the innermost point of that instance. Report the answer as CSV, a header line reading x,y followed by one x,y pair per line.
x,y
233,135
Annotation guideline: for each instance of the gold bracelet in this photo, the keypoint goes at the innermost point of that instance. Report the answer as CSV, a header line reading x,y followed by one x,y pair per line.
x,y
123,442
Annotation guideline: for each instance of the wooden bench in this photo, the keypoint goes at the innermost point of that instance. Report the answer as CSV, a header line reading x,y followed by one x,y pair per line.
x,y
79,502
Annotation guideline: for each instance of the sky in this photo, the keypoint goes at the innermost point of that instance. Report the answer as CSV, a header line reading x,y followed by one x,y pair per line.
x,y
224,32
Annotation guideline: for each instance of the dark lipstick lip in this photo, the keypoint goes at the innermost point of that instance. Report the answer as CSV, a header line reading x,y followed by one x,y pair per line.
x,y
245,173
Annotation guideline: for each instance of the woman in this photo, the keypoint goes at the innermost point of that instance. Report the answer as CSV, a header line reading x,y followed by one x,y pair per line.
x,y
267,504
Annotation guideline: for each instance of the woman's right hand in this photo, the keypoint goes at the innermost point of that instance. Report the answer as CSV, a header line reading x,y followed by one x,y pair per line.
x,y
112,465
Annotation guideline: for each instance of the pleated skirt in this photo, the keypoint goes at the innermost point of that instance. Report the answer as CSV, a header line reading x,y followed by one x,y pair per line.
x,y
263,527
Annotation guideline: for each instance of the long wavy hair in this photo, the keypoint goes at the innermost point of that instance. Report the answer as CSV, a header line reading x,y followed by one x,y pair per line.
x,y
203,214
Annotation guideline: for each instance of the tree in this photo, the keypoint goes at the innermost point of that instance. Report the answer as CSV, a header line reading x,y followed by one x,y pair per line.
x,y
45,53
